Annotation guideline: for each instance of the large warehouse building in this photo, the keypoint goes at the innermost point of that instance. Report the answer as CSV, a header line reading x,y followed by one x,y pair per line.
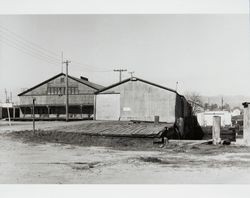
x,y
50,97
138,99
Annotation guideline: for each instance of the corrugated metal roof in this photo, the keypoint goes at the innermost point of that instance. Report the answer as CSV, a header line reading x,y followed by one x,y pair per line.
x,y
86,82
121,129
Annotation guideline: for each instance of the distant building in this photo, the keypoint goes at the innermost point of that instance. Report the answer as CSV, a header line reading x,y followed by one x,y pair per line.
x,y
50,97
138,99
8,109
206,118
236,111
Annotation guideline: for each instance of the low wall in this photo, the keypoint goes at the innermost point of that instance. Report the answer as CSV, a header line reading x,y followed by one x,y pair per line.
x,y
84,140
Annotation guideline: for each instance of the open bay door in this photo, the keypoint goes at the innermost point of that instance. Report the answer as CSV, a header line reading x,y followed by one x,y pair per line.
x,y
107,107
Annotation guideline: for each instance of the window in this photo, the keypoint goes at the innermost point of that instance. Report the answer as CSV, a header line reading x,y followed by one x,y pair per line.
x,y
49,90
62,90
73,90
62,80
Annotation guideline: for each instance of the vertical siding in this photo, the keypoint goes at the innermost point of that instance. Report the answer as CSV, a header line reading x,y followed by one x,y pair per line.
x,y
85,96
178,107
183,108
142,101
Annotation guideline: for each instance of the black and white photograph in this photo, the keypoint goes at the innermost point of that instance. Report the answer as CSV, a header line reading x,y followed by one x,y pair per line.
x,y
126,98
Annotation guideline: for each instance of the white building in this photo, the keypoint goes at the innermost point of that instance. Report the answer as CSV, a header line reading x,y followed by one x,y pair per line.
x,y
206,118
236,111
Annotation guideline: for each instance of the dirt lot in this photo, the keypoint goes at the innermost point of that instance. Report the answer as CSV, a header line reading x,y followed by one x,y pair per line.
x,y
41,162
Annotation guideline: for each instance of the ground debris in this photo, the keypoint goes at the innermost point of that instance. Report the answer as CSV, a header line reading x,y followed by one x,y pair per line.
x,y
78,165
156,160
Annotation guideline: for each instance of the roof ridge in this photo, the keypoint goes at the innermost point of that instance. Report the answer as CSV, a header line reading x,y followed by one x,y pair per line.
x,y
87,83
135,78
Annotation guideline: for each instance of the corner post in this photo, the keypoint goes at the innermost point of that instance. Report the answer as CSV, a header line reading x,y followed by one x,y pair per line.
x,y
216,129
246,124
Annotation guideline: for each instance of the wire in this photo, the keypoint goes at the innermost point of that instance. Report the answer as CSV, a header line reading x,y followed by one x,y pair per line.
x,y
85,66
23,45
30,52
27,52
19,42
31,43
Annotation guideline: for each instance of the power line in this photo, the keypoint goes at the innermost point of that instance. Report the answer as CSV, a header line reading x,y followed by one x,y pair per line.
x,y
24,39
29,53
76,63
35,54
19,42
67,92
23,45
91,66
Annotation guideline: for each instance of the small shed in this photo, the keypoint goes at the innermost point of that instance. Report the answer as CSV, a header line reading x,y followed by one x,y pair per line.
x,y
206,118
140,100
236,111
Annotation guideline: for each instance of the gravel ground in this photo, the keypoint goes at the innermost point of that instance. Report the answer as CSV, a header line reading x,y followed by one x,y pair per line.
x,y
53,163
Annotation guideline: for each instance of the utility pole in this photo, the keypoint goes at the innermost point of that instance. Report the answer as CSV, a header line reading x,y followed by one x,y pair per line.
x,y
6,96
62,62
120,71
131,73
33,112
176,86
66,90
222,103
10,96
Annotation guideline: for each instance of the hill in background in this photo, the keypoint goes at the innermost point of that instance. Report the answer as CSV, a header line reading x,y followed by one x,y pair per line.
x,y
233,101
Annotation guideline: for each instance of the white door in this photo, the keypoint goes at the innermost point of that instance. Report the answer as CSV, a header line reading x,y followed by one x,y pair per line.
x,y
107,107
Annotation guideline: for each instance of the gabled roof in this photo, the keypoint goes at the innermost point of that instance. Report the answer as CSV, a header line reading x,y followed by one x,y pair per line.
x,y
85,82
90,84
135,79
236,108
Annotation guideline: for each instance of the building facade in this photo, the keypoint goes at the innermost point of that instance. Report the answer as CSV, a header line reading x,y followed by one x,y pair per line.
x,y
137,99
50,97
236,111
206,118
8,110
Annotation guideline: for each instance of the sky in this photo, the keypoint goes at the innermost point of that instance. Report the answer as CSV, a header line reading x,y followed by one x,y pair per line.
x,y
205,53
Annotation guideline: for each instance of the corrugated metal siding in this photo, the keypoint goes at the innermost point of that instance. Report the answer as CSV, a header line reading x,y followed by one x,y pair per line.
x,y
142,101
108,107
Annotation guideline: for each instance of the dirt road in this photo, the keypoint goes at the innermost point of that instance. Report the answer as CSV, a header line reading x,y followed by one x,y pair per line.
x,y
56,163
51,163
